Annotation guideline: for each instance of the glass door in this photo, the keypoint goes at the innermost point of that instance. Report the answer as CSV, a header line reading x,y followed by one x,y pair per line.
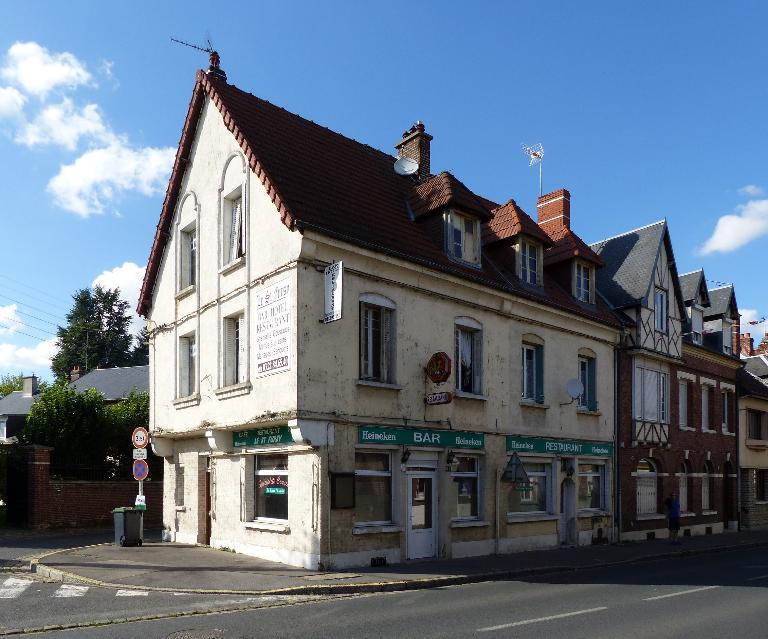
x,y
422,515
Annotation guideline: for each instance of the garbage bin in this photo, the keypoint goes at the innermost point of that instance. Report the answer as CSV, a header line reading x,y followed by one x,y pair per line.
x,y
129,526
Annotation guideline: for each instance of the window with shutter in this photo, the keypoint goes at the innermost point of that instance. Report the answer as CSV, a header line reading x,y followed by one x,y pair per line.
x,y
242,350
376,343
187,368
588,379
234,230
683,403
705,407
188,257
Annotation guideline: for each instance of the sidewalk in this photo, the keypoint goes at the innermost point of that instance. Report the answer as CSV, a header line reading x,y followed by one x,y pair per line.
x,y
184,568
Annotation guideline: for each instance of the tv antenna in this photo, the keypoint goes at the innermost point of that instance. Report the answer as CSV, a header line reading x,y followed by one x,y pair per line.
x,y
208,49
536,153
214,67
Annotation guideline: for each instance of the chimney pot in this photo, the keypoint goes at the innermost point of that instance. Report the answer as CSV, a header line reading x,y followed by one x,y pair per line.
x,y
554,211
415,145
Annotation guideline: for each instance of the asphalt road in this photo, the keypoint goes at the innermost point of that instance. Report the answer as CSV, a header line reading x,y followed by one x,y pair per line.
x,y
717,595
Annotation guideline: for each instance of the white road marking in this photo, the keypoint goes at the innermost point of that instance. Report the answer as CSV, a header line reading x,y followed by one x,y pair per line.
x,y
549,618
13,587
183,594
758,578
682,592
69,590
131,593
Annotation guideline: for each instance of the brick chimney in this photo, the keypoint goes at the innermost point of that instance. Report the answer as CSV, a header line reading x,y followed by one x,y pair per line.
x,y
747,345
555,211
29,387
415,145
762,348
75,374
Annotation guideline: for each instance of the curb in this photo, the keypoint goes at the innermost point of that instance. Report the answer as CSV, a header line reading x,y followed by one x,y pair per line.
x,y
57,574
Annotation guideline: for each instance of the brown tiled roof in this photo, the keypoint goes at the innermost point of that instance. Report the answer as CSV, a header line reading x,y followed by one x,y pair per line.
x,y
322,181
568,245
510,220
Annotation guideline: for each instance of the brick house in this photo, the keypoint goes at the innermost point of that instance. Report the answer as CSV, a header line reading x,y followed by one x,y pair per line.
x,y
752,388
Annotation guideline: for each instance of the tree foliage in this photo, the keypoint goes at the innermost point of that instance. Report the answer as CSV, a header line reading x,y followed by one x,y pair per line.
x,y
10,383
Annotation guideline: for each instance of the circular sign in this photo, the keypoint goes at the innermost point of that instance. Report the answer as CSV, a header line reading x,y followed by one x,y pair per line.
x,y
140,469
140,437
439,367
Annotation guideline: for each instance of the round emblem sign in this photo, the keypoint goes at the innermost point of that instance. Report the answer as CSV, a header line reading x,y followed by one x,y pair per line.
x,y
140,438
140,469
439,367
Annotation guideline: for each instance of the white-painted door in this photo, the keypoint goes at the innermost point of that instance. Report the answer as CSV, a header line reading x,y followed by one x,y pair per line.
x,y
422,515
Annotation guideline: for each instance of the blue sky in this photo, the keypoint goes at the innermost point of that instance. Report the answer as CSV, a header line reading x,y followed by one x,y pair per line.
x,y
646,111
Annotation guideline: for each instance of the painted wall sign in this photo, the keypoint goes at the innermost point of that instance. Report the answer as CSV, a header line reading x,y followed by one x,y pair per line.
x,y
262,437
439,367
419,437
333,291
438,398
559,446
273,330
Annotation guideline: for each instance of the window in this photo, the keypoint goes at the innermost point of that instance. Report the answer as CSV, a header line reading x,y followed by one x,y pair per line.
x,y
727,337
660,309
235,350
755,425
272,487
682,398
588,399
583,282
187,365
697,325
590,486
647,503
706,423
651,395
533,373
469,369
465,489
373,488
535,497
682,492
376,343
234,235
463,235
727,406
761,485
529,262
707,481
188,271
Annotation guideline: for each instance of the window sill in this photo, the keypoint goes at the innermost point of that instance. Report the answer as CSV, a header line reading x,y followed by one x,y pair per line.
x,y
529,403
688,429
585,513
513,518
761,503
708,512
185,292
466,395
232,266
181,509
756,443
186,402
469,523
362,529
650,517
586,411
687,514
727,432
709,430
235,390
268,526
373,384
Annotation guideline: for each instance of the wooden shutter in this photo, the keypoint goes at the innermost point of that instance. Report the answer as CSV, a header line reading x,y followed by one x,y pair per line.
x,y
184,261
477,362
242,355
230,374
539,363
184,367
591,384
233,231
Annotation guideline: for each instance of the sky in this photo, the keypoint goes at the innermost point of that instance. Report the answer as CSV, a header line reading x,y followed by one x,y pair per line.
x,y
645,110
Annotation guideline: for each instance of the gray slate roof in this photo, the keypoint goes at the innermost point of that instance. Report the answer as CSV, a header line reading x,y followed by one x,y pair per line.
x,y
114,383
750,385
17,403
719,301
690,283
757,365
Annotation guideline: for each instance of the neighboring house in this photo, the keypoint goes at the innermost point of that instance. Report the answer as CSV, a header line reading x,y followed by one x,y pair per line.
x,y
676,404
753,442
15,407
114,384
311,442
757,365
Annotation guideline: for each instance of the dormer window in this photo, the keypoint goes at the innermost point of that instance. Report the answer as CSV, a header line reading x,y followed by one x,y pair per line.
x,y
463,237
529,262
727,331
697,324
583,284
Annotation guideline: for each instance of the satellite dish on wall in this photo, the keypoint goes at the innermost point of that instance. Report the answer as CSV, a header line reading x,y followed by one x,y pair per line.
x,y
406,166
575,388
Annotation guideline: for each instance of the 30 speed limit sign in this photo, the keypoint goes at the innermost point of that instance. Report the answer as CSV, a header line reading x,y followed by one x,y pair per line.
x,y
140,438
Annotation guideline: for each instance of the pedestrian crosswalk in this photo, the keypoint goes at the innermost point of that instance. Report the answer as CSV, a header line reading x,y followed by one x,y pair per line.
x,y
69,590
14,587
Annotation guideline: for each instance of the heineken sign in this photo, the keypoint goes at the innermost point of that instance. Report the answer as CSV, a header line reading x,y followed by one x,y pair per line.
x,y
559,446
262,437
419,437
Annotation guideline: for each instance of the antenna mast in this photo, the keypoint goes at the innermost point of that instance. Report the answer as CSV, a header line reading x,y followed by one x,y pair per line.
x,y
213,57
536,153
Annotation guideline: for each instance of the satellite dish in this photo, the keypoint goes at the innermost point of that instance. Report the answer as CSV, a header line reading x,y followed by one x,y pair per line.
x,y
406,166
575,388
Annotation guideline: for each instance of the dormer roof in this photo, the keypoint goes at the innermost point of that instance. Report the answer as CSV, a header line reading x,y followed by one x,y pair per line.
x,y
694,285
568,245
722,303
510,220
443,190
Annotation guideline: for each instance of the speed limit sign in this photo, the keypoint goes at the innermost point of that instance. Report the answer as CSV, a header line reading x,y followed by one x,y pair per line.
x,y
140,438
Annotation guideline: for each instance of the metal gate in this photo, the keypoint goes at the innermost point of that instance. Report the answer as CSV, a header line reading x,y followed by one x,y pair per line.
x,y
646,495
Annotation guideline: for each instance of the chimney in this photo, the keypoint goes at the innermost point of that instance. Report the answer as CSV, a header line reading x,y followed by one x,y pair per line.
x,y
30,386
75,374
762,348
415,145
747,345
555,211
214,68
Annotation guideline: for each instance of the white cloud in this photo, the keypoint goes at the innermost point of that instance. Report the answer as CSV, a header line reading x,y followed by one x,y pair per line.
x,y
37,71
64,124
9,319
752,190
128,279
748,222
750,315
97,177
33,359
11,103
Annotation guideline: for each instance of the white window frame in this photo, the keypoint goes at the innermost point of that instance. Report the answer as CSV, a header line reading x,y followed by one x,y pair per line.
x,y
706,488
188,365
188,258
258,472
530,392
682,487
462,234
727,337
682,399
660,322
378,473
725,406
697,324
530,261
233,228
760,417
476,475
583,285
372,303
548,474
706,418
601,473
644,392
650,481
235,356
474,330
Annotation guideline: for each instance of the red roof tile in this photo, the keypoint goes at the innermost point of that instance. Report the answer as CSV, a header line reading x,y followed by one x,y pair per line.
x,y
510,220
442,190
568,245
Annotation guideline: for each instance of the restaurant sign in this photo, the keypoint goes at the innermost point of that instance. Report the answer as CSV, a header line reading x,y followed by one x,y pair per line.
x,y
420,437
262,437
559,446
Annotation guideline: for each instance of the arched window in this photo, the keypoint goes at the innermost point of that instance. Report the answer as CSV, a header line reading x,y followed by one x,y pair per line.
x,y
647,502
683,480
707,486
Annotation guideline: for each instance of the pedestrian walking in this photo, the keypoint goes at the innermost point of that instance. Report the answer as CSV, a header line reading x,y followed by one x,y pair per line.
x,y
673,516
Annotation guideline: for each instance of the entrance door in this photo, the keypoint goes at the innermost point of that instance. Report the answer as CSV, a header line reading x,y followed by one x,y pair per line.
x,y
422,515
568,512
208,501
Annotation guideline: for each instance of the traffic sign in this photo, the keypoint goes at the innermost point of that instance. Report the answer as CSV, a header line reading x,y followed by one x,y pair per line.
x,y
140,469
140,437
139,453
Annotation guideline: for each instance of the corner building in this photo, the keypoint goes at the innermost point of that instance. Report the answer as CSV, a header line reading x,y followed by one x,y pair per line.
x,y
314,436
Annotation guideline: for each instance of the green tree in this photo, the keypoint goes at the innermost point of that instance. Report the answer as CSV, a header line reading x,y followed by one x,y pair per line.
x,y
123,417
97,334
10,383
140,349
